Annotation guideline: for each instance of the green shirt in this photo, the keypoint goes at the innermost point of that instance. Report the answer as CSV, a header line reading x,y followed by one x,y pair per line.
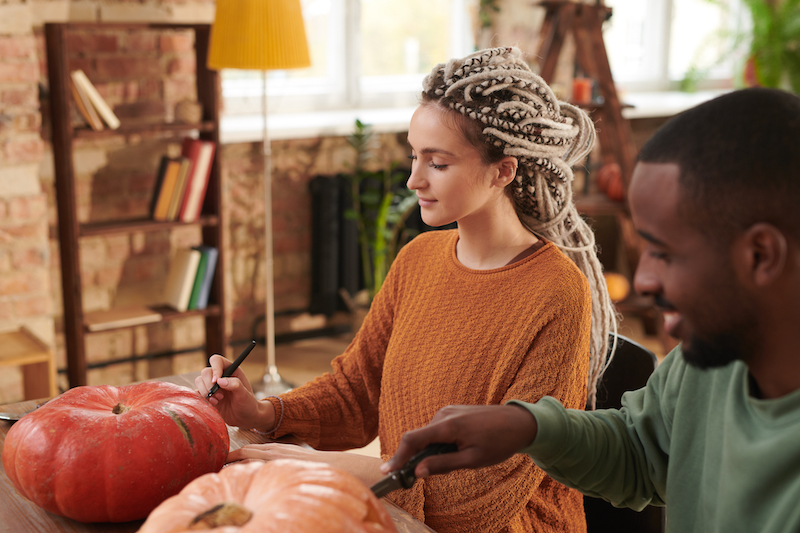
x,y
695,440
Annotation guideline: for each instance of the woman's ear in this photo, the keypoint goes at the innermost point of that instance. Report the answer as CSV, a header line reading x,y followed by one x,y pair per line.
x,y
507,171
762,254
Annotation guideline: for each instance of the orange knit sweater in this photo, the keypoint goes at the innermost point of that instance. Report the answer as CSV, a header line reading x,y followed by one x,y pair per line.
x,y
439,334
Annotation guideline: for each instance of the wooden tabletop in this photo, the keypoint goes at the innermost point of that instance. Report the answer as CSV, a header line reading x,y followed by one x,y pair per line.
x,y
19,515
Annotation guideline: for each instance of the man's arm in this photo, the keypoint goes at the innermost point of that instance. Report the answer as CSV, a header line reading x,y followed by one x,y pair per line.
x,y
620,455
485,435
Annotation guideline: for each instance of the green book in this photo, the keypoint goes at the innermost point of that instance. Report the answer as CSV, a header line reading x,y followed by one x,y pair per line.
x,y
198,280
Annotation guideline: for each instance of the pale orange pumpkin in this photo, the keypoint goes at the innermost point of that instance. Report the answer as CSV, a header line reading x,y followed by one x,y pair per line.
x,y
285,495
618,286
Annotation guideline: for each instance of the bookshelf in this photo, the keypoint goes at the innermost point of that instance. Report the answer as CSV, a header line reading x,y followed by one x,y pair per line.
x,y
71,230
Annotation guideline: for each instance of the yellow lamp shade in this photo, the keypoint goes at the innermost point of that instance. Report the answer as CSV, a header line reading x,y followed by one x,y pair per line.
x,y
258,35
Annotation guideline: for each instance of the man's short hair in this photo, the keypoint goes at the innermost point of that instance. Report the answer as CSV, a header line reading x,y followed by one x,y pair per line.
x,y
739,159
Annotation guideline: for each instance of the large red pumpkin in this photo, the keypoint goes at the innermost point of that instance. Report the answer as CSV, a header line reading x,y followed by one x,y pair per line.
x,y
112,454
280,496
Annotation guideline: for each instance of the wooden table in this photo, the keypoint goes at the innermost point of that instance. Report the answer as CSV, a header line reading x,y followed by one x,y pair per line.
x,y
18,515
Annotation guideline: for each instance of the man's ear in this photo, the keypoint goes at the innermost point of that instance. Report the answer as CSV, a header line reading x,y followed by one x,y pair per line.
x,y
762,254
507,171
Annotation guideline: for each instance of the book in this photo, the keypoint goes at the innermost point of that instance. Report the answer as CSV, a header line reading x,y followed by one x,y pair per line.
x,y
171,169
120,317
201,153
85,107
102,107
162,170
180,279
180,189
198,279
204,279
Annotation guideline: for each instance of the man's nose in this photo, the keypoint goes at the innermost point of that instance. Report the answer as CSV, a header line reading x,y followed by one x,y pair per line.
x,y
646,280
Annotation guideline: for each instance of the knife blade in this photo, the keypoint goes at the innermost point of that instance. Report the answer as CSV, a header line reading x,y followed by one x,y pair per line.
x,y
13,417
405,478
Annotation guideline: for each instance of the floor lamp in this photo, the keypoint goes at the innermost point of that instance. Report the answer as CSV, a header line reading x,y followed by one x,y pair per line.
x,y
261,35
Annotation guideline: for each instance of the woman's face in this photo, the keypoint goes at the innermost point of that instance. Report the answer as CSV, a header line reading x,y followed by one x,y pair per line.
x,y
451,180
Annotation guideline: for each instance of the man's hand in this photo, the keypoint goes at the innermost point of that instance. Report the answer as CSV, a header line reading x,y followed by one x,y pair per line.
x,y
485,435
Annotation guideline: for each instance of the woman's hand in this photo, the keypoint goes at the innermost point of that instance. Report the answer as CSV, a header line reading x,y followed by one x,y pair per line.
x,y
363,467
234,399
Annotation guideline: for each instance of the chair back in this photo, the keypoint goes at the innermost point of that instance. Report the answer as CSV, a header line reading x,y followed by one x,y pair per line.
x,y
629,370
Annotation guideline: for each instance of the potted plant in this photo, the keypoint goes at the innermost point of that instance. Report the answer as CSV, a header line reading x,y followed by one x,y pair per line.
x,y
771,48
380,206
774,54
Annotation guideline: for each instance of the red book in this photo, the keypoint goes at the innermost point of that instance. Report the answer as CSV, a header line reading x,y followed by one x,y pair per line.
x,y
201,155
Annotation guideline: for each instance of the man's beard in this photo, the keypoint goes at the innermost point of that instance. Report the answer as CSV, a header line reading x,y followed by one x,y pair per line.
x,y
719,350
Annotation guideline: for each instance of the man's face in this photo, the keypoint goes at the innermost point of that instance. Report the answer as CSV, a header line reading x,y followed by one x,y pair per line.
x,y
692,280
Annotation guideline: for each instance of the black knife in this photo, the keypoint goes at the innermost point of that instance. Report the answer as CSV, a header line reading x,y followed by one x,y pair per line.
x,y
405,478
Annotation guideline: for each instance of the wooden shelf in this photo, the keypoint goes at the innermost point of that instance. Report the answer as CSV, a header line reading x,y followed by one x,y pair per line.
x,y
135,129
22,348
70,230
140,224
167,314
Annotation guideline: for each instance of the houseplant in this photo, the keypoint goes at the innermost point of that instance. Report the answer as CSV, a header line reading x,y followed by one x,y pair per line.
x,y
771,47
774,54
380,206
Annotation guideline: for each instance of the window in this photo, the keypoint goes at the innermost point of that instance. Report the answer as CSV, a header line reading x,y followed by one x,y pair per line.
x,y
364,54
369,58
652,44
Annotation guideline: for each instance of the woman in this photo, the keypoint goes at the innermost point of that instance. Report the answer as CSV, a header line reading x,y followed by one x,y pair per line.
x,y
491,311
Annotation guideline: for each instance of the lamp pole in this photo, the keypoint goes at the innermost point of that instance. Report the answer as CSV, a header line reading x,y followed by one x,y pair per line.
x,y
272,383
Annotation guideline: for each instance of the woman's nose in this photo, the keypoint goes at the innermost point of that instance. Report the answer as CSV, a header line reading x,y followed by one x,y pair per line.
x,y
414,180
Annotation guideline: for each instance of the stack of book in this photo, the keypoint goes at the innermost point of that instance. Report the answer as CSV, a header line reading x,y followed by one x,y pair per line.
x,y
182,181
92,107
190,276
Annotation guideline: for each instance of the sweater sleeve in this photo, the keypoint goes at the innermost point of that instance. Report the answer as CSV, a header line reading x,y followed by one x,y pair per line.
x,y
555,364
339,410
619,455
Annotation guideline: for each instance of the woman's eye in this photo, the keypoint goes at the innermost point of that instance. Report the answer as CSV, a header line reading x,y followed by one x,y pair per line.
x,y
438,167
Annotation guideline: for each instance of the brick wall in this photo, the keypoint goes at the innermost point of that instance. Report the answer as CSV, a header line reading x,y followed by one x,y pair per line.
x,y
294,164
25,297
143,76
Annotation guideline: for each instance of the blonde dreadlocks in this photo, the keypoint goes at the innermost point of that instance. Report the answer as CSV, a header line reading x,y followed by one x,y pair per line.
x,y
518,115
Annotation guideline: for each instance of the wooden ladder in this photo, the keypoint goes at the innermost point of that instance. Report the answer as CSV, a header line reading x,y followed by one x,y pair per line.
x,y
585,23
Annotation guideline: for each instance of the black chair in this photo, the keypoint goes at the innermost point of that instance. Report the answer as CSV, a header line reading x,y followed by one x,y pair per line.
x,y
629,369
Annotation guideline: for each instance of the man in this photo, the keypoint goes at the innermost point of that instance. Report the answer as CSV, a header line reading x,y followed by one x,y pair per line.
x,y
715,433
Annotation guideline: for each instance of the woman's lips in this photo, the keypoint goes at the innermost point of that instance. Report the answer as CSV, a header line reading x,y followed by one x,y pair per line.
x,y
672,322
424,202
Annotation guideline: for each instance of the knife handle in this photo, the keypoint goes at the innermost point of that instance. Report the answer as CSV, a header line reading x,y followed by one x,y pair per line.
x,y
407,476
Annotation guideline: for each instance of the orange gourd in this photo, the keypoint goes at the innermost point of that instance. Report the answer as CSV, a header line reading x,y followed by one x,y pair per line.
x,y
283,496
618,286
112,454
607,174
609,181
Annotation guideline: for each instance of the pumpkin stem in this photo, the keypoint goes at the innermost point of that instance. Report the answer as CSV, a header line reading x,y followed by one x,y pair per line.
x,y
223,514
119,409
